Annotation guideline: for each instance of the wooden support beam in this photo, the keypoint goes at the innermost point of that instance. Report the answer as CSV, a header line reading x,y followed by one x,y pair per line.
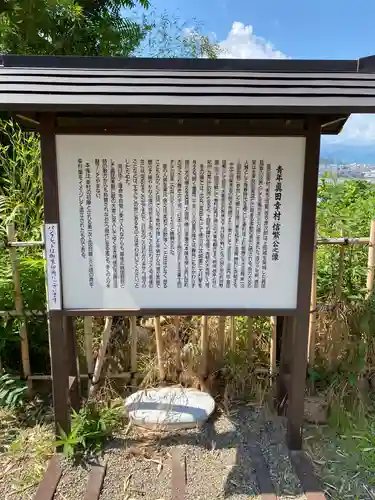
x,y
59,359
87,330
71,348
301,336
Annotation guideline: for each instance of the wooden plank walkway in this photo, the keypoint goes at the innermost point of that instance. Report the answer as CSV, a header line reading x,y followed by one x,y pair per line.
x,y
179,477
305,471
265,485
301,463
95,481
47,487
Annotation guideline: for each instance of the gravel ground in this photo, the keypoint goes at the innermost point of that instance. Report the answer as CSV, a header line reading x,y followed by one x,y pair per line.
x,y
218,460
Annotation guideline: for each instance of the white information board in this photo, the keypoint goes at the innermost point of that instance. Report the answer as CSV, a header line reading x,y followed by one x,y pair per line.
x,y
179,222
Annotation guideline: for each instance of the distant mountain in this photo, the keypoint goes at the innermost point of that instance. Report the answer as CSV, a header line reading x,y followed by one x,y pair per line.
x,y
348,154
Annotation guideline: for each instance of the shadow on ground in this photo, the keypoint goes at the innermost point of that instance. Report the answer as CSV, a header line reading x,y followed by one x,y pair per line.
x,y
238,442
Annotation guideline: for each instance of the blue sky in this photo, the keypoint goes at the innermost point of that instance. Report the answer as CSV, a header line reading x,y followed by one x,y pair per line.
x,y
303,29
316,29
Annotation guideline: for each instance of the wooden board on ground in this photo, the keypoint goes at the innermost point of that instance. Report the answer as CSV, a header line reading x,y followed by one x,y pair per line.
x,y
51,478
265,485
305,472
95,481
179,476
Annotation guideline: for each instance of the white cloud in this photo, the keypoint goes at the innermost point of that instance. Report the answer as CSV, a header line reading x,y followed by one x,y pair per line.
x,y
242,43
359,130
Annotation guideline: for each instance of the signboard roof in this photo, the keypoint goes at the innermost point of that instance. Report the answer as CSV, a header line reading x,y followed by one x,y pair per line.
x,y
331,89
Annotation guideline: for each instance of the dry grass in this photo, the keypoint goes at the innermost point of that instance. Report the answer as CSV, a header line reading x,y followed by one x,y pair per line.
x,y
25,454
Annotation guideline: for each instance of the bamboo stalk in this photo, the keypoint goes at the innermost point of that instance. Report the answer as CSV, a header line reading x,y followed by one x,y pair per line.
x,y
232,333
340,273
250,336
11,314
342,241
221,337
87,329
273,347
133,344
204,345
177,325
19,306
371,260
312,324
122,375
101,355
159,347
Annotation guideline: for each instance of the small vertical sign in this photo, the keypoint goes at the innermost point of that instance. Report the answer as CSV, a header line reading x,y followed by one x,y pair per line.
x,y
53,266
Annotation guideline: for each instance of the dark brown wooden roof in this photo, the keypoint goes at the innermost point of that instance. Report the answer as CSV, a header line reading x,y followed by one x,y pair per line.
x,y
108,86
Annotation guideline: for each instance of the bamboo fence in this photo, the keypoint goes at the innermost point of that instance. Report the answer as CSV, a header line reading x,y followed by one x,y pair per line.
x,y
226,337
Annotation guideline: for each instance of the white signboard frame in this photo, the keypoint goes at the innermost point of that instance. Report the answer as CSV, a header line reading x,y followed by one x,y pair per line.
x,y
177,223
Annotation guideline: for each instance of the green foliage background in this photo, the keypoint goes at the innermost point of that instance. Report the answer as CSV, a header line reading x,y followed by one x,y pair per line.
x,y
343,209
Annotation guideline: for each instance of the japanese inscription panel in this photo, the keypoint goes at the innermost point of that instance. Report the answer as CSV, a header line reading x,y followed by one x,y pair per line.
x,y
179,222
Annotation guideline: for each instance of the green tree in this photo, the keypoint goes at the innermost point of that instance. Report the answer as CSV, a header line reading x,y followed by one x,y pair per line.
x,y
70,27
169,36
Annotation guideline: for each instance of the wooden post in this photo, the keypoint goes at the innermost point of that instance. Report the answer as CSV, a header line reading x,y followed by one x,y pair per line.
x,y
232,333
273,346
133,345
159,347
19,306
284,334
87,330
59,365
313,303
371,260
307,236
221,337
204,346
74,378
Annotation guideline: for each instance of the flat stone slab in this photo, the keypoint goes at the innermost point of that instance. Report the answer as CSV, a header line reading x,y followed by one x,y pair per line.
x,y
169,408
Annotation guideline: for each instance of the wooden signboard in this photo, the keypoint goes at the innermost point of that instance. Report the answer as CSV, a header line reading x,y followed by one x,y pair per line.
x,y
172,223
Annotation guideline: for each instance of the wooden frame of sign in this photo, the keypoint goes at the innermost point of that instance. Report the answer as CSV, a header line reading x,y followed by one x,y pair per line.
x,y
220,102
292,325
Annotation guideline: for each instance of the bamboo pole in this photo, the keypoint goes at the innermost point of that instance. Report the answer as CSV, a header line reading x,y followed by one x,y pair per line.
x,y
232,333
87,330
273,347
19,306
250,336
204,345
312,324
159,347
101,354
122,375
221,337
371,260
341,272
133,344
177,326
